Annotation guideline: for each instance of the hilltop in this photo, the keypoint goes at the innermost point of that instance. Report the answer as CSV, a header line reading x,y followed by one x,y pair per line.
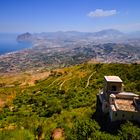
x,y
63,101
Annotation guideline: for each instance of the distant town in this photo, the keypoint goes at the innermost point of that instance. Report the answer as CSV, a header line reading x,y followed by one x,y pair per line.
x,y
60,49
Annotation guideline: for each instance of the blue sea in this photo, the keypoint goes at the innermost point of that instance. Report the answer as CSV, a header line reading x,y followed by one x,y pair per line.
x,y
8,43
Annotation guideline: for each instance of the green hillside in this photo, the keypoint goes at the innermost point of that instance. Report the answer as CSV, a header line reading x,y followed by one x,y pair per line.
x,y
65,99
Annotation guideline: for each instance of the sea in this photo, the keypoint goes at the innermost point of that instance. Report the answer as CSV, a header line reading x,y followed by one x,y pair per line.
x,y
9,44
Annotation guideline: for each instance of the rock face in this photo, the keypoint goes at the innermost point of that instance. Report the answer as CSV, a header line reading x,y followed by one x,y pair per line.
x,y
26,37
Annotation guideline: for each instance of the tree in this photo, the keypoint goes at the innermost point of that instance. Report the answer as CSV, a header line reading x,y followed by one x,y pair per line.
x,y
129,132
83,128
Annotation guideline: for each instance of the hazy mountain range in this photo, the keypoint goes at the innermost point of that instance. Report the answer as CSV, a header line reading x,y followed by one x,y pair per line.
x,y
60,49
109,34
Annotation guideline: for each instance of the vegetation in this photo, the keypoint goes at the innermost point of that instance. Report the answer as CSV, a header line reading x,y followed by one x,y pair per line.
x,y
66,99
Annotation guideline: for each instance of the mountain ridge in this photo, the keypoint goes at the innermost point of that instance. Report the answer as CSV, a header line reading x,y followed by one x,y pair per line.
x,y
64,34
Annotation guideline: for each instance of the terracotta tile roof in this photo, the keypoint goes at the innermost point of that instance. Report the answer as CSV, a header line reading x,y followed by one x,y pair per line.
x,y
125,105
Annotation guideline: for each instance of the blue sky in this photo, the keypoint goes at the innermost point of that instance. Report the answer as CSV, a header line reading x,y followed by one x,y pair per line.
x,y
66,15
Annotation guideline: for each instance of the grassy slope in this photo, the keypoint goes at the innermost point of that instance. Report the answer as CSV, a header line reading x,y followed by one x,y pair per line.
x,y
62,99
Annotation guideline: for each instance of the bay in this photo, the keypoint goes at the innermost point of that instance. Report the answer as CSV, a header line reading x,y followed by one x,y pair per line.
x,y
9,44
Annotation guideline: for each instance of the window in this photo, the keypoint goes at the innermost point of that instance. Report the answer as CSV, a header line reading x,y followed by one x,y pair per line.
x,y
113,88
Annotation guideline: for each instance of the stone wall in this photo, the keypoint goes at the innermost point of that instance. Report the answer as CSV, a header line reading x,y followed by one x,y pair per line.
x,y
123,115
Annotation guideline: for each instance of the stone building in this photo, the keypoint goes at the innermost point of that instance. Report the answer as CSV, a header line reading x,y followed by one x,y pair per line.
x,y
119,104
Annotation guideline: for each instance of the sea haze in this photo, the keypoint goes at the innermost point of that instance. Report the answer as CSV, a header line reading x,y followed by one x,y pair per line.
x,y
8,43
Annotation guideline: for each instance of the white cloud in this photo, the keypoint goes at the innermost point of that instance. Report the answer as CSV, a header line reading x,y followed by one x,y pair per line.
x,y
102,13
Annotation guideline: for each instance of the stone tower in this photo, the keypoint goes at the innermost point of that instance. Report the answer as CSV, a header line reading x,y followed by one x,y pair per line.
x,y
112,85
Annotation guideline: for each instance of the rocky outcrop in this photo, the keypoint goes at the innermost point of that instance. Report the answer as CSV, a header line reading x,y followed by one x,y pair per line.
x,y
26,37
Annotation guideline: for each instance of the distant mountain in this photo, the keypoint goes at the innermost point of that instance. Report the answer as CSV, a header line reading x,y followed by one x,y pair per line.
x,y
109,33
26,37
63,35
71,35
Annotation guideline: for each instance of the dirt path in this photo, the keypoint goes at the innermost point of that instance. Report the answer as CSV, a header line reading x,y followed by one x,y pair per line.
x,y
60,87
54,82
89,79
